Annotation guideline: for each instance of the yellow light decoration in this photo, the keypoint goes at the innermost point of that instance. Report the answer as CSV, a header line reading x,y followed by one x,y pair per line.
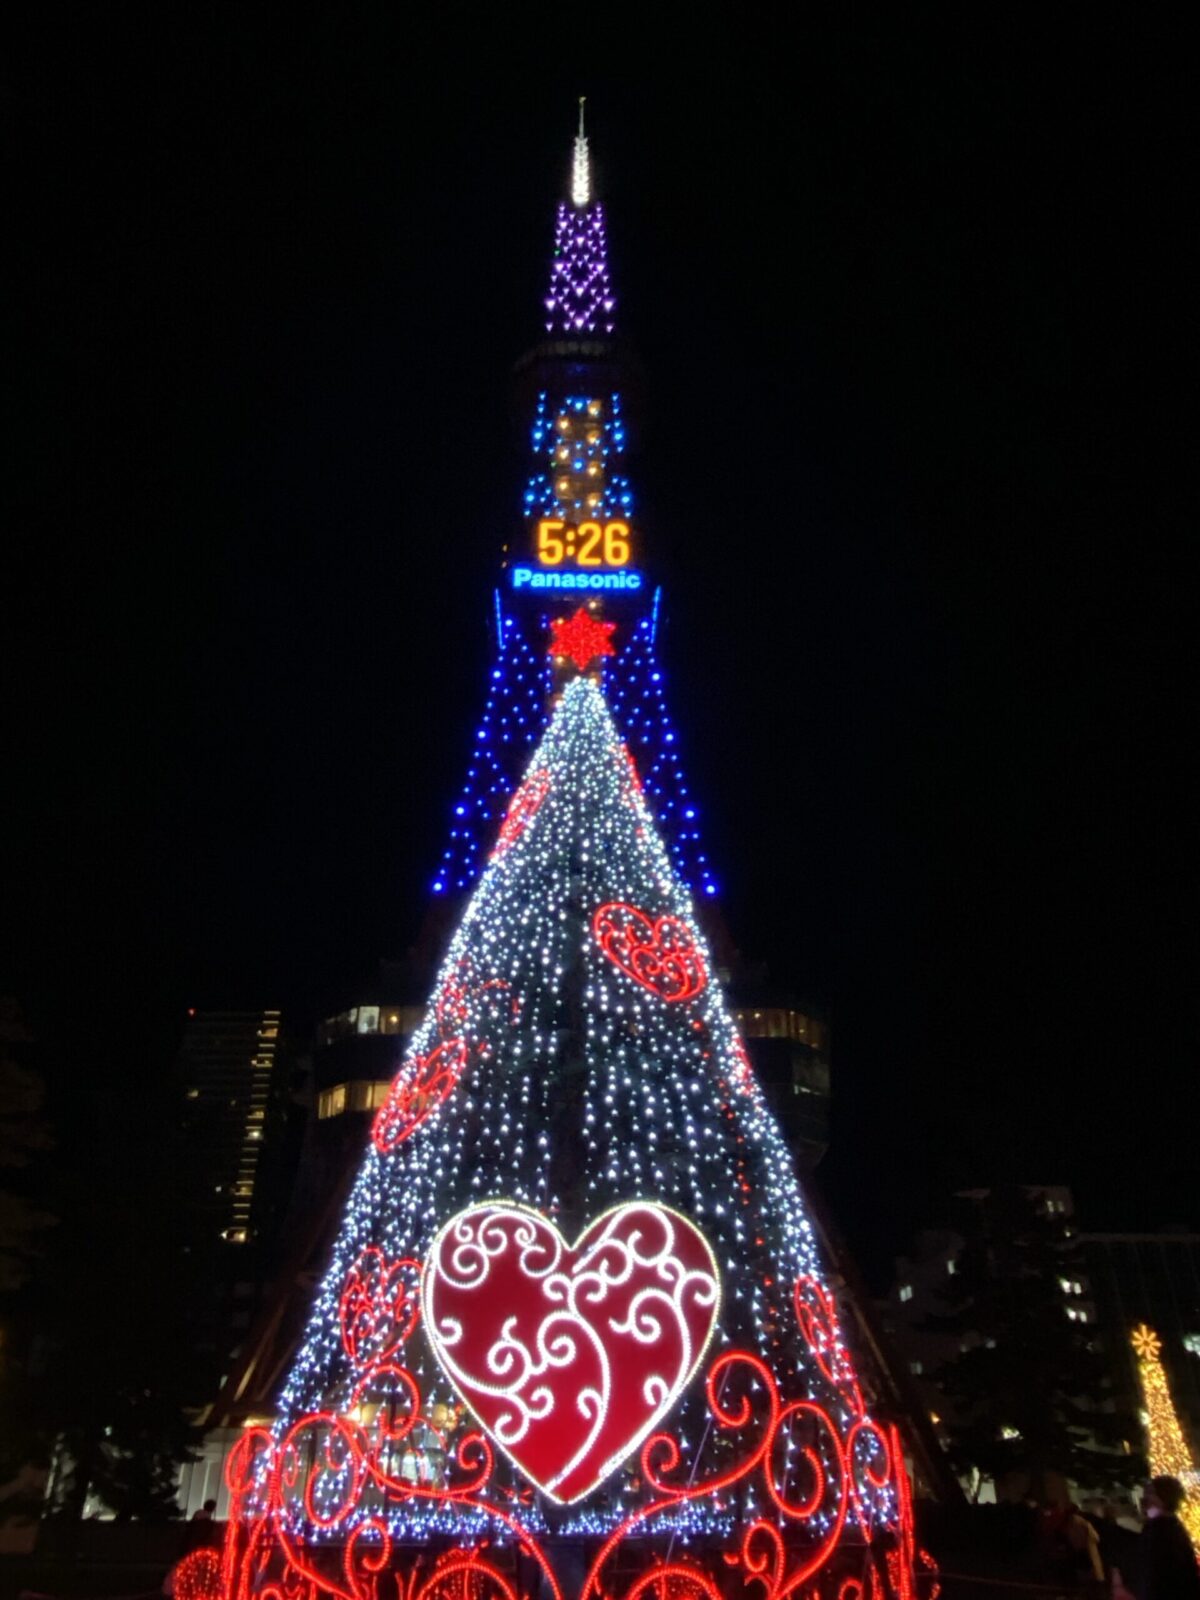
x,y
1168,1449
1146,1343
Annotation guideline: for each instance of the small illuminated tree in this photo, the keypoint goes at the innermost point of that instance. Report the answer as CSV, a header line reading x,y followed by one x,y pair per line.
x,y
1168,1450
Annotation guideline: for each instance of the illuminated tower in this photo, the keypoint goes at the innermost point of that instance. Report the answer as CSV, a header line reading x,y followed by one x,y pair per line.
x,y
578,540
576,1337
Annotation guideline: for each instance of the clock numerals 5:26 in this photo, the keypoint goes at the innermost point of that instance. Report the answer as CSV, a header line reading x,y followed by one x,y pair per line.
x,y
591,544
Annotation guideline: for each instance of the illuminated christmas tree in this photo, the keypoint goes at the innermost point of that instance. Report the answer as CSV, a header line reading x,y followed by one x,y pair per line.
x,y
575,1337
1167,1451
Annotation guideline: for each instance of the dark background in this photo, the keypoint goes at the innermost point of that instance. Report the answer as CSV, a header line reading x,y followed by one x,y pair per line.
x,y
911,298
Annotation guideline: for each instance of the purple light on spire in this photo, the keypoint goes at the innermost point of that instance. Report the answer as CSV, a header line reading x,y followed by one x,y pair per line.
x,y
581,298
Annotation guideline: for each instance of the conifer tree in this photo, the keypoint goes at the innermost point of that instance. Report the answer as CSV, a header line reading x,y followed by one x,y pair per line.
x,y
1029,1391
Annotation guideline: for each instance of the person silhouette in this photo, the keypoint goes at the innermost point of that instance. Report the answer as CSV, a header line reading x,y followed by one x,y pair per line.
x,y
1168,1561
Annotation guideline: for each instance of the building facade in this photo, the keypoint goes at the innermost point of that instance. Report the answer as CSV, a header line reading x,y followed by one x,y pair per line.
x,y
228,1072
789,1047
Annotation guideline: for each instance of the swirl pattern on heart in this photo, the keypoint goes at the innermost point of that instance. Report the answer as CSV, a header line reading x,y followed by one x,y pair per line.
x,y
570,1354
660,953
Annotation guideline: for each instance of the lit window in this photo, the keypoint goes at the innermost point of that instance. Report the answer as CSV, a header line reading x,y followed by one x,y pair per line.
x,y
906,1291
916,1368
1010,1433
366,1095
332,1102
1191,1343
952,1266
404,1019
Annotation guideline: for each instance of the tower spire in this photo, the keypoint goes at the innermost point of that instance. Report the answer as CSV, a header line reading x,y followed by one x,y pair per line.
x,y
580,301
581,172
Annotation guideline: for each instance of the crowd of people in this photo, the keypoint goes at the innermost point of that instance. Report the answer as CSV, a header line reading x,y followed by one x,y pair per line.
x,y
1095,1553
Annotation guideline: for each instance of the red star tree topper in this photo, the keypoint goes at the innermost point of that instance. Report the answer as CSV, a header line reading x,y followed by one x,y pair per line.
x,y
581,638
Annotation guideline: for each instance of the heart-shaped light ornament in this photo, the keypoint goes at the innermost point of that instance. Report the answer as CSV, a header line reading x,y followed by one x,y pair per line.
x,y
570,1354
659,952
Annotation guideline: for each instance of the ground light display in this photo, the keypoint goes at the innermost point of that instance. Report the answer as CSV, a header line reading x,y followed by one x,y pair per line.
x,y
575,1339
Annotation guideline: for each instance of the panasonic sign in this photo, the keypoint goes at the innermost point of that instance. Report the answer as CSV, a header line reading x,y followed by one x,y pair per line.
x,y
535,578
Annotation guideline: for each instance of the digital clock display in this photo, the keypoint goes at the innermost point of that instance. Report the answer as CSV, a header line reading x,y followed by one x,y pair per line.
x,y
590,544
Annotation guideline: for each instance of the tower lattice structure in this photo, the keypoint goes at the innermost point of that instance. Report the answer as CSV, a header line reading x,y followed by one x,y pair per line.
x,y
576,386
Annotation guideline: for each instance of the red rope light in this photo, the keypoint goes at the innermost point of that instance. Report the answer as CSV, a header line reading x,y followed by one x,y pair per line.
x,y
323,1463
657,952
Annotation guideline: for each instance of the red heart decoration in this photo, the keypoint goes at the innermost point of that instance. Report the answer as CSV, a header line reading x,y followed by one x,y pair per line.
x,y
659,953
378,1308
420,1087
570,1354
522,809
818,1319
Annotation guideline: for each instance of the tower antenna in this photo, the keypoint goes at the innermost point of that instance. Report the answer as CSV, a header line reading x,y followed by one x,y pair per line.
x,y
581,172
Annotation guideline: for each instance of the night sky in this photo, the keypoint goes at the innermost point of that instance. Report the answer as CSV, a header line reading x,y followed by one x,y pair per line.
x,y
910,310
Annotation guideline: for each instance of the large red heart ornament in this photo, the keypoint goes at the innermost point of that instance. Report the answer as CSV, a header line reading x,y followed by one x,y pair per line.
x,y
659,952
570,1354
